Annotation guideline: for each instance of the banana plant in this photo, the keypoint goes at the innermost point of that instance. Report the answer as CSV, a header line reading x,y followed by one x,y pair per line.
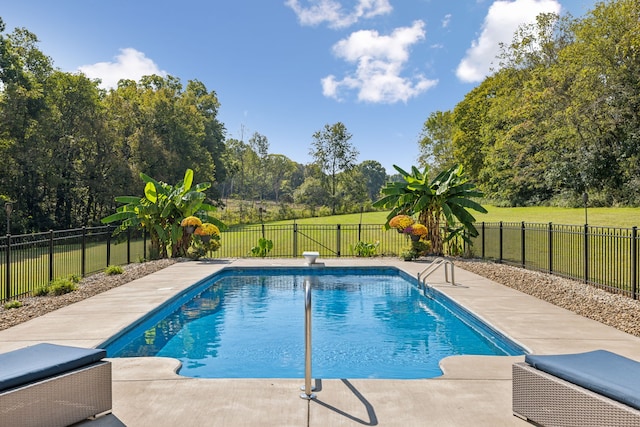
x,y
161,210
263,247
447,198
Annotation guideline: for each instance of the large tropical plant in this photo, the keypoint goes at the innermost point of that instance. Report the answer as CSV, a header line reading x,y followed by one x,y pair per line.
x,y
161,210
446,199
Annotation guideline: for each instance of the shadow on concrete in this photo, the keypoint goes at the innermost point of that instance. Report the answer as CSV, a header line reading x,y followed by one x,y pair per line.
x,y
108,420
371,413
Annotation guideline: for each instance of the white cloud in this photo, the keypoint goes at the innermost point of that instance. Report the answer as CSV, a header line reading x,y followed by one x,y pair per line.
x,y
332,11
129,64
446,20
500,24
379,60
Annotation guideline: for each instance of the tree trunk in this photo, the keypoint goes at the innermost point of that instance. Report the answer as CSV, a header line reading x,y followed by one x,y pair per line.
x,y
430,217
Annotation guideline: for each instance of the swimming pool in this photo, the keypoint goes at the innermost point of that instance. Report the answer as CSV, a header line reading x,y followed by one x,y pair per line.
x,y
367,323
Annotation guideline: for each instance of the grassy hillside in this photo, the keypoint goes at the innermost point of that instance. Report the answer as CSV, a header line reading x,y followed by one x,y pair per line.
x,y
367,218
609,217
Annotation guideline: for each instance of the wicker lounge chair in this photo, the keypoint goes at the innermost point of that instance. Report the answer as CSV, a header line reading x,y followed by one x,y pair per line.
x,y
53,385
597,388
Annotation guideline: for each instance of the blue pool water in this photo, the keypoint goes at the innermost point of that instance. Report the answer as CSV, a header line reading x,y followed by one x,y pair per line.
x,y
366,323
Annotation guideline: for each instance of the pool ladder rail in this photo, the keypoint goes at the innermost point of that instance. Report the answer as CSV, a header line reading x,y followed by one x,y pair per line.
x,y
435,264
307,387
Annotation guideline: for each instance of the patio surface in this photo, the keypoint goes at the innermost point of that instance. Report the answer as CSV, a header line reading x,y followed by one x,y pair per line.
x,y
474,390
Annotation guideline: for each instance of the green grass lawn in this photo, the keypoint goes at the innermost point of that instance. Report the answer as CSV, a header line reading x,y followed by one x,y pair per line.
x,y
367,218
606,217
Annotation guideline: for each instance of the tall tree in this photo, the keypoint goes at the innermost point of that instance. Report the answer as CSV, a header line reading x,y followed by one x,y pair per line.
x,y
235,154
280,170
74,128
207,105
374,177
23,71
604,62
312,193
166,129
260,146
469,140
352,191
333,152
436,141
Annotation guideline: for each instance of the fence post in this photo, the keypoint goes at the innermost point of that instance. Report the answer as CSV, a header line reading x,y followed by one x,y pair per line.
x,y
108,246
128,246
522,245
338,242
483,238
634,262
586,253
7,270
500,243
51,255
144,244
550,248
84,250
295,240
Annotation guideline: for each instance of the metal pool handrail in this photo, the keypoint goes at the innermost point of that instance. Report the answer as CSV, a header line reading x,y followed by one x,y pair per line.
x,y
307,388
433,267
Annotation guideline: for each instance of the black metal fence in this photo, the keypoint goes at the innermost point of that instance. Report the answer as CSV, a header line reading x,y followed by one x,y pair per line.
x,y
330,240
30,261
605,257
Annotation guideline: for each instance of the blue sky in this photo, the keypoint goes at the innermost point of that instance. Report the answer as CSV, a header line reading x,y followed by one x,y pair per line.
x,y
285,68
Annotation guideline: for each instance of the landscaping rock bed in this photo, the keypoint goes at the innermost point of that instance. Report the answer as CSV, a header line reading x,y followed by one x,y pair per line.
x,y
614,310
88,287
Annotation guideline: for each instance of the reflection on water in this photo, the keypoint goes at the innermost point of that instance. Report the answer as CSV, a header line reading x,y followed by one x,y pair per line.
x,y
155,338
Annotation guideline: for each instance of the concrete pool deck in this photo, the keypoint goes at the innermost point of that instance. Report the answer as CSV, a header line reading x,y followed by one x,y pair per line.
x,y
474,390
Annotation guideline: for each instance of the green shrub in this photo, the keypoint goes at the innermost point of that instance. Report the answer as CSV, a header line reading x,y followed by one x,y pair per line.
x,y
324,211
263,248
113,269
41,291
61,286
196,252
364,249
408,254
421,247
58,286
12,304
74,278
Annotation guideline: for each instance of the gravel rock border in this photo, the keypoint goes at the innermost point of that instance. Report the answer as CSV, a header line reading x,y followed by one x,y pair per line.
x,y
614,310
92,285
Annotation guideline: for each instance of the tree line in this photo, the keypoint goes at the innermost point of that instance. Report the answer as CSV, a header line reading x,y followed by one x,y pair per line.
x,y
334,179
560,118
69,147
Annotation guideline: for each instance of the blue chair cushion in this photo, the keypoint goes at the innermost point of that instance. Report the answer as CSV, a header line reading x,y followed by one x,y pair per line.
x,y
30,364
600,371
